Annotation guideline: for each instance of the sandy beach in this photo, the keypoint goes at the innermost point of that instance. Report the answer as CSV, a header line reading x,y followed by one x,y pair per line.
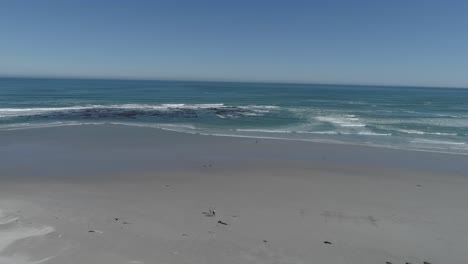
x,y
116,194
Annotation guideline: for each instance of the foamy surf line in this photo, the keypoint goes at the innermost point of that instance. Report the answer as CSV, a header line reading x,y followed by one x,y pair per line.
x,y
417,132
194,130
439,142
344,121
365,133
141,108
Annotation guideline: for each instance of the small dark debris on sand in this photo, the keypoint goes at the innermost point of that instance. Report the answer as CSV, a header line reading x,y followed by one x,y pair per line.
x,y
265,241
211,212
91,231
327,242
221,222
184,235
419,185
388,262
126,223
116,219
426,262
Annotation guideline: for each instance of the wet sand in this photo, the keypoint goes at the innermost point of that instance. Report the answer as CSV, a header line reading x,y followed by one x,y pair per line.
x,y
114,194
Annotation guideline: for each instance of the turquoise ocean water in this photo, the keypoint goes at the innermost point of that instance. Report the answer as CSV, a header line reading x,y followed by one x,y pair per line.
x,y
430,119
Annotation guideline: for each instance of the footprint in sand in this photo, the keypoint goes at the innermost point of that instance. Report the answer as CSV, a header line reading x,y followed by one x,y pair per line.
x,y
12,231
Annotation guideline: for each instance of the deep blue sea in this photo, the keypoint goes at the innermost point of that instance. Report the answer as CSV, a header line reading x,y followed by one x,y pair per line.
x,y
430,119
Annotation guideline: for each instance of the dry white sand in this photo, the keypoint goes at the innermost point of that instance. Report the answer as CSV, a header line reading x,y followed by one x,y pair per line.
x,y
269,208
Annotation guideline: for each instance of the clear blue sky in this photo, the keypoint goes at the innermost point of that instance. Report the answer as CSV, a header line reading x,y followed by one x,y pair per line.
x,y
389,42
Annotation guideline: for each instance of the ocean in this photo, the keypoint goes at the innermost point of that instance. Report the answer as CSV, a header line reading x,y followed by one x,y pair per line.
x,y
416,118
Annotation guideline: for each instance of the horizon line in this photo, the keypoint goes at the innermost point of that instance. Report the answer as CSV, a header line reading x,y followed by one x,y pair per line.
x,y
112,78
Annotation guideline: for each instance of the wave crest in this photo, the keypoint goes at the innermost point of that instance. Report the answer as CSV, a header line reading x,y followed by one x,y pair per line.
x,y
138,110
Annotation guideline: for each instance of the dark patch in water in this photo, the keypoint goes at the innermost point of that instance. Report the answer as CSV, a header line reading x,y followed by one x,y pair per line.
x,y
129,113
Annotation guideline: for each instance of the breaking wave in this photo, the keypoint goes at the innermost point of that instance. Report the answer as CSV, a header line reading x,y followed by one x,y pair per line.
x,y
95,112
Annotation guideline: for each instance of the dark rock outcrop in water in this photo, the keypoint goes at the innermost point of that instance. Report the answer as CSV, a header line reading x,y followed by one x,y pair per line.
x,y
145,113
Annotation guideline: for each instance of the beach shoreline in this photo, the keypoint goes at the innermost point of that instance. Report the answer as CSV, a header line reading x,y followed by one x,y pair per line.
x,y
423,119
116,194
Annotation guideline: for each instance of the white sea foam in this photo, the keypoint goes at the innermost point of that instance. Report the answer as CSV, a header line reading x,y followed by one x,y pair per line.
x,y
425,133
251,114
437,142
425,146
265,130
226,116
187,106
343,121
288,131
367,133
411,131
261,106
20,126
171,127
193,129
14,112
